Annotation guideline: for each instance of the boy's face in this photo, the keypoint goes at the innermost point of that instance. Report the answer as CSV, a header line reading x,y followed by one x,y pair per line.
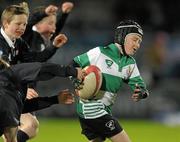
x,y
47,26
132,43
16,27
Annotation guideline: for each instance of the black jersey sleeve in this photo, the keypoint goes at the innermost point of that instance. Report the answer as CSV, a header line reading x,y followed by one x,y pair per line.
x,y
39,103
29,72
27,55
61,20
49,70
74,64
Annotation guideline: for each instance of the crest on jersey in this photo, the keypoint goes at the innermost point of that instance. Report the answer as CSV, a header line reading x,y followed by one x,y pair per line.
x,y
109,63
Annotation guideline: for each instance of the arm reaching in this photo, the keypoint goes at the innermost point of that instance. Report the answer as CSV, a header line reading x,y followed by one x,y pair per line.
x,y
65,97
38,103
67,7
51,9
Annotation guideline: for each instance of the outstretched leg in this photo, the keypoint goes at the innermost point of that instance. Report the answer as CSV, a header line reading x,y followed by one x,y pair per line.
x,y
10,134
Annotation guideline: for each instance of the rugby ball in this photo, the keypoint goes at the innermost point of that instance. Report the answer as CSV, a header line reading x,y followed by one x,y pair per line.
x,y
91,83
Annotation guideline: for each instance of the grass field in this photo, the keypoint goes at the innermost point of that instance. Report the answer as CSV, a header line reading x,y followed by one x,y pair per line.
x,y
61,130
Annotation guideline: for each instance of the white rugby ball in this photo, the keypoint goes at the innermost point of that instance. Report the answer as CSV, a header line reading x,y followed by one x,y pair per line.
x,y
91,83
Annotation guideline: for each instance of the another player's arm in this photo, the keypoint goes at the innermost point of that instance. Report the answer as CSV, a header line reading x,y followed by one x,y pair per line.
x,y
49,70
27,55
29,72
62,16
45,71
38,103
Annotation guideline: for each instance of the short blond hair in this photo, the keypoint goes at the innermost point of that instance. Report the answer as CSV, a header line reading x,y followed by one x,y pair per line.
x,y
10,11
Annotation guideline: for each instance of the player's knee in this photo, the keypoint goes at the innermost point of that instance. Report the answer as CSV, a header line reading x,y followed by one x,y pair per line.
x,y
122,136
34,127
31,127
34,123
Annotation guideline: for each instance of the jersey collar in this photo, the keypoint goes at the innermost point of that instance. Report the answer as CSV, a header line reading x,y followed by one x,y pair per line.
x,y
115,49
8,40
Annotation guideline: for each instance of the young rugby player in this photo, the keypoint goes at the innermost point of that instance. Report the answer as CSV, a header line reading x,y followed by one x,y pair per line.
x,y
117,66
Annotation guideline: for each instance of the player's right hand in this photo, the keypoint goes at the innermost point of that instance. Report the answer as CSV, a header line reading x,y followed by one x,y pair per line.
x,y
51,9
81,74
67,7
31,93
65,97
77,84
78,81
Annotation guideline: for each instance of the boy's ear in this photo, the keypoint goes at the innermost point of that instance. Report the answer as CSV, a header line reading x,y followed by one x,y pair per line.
x,y
5,23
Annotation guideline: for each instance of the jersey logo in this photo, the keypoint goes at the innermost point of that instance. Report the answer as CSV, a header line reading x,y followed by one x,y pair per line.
x,y
110,125
108,63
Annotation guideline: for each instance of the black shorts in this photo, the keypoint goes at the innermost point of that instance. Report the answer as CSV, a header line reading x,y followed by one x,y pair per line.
x,y
9,112
102,127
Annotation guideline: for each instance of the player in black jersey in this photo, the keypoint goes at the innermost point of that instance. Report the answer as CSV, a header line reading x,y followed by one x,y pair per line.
x,y
13,87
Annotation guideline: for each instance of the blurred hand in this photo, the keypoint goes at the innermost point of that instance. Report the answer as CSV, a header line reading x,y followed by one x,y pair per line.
x,y
77,83
81,74
67,7
59,40
51,9
65,97
136,96
31,93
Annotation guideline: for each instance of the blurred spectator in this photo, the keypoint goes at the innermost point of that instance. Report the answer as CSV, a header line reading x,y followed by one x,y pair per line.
x,y
156,57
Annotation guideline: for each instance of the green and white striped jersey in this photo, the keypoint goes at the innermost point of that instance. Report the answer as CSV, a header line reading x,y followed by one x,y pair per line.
x,y
116,68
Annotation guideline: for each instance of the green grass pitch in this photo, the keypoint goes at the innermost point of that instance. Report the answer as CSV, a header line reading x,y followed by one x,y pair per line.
x,y
68,130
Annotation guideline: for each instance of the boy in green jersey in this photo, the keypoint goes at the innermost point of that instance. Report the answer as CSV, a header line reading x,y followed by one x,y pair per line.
x,y
117,66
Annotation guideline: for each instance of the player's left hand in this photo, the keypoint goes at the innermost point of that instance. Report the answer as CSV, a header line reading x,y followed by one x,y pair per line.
x,y
31,93
67,7
136,97
60,40
65,97
51,9
139,94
